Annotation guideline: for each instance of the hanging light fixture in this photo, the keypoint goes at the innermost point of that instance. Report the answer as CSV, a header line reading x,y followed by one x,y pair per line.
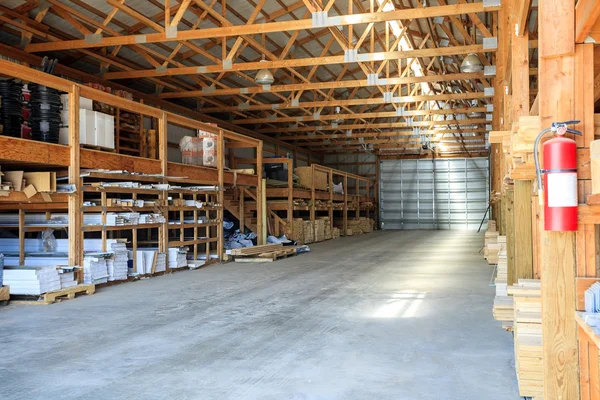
x,y
474,114
264,76
337,114
471,63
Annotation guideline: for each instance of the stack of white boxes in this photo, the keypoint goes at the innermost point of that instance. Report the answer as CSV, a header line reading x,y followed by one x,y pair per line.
x,y
117,266
95,128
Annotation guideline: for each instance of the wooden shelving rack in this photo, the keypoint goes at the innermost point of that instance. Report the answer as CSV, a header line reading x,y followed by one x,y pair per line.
x,y
280,210
26,154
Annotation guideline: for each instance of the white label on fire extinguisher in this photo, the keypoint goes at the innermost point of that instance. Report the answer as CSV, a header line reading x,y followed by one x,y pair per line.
x,y
562,189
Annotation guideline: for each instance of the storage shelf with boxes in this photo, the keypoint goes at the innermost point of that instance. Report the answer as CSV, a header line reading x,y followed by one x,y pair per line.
x,y
122,208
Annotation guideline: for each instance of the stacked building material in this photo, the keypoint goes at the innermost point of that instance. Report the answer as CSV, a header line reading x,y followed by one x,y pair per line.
x,y
297,230
67,280
309,234
335,233
117,265
320,229
31,280
177,257
94,269
528,336
503,303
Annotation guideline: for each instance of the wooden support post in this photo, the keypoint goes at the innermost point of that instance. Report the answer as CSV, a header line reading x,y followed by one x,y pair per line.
x,y
242,209
510,234
345,204
163,231
330,210
290,199
220,193
76,198
523,246
556,94
259,193
313,200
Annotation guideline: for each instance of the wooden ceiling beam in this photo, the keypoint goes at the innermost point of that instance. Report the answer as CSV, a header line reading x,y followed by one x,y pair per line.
x,y
300,62
376,134
354,102
254,29
384,125
374,115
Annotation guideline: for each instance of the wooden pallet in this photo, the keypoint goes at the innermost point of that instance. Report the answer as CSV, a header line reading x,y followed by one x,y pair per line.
x,y
269,256
59,295
4,294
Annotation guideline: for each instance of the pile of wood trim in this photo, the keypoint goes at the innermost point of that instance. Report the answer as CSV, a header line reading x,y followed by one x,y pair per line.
x,y
528,336
254,250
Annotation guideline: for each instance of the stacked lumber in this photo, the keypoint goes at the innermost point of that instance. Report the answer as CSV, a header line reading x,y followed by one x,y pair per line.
x,y
503,303
528,336
491,237
254,250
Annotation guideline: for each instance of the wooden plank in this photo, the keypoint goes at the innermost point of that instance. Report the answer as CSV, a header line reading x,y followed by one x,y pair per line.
x,y
523,249
509,215
75,199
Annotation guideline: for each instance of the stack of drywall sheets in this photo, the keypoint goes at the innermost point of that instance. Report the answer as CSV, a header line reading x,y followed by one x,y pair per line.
x,y
117,264
67,280
31,280
94,269
528,336
177,257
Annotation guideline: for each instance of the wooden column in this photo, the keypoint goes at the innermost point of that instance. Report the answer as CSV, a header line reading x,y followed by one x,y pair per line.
x,y
509,213
163,230
556,103
220,193
259,193
76,198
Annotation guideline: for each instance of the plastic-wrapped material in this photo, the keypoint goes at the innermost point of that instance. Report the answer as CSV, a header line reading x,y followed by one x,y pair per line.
x,y
209,148
191,150
339,188
48,244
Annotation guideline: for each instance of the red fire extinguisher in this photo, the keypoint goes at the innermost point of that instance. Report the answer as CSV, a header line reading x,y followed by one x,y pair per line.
x,y
559,177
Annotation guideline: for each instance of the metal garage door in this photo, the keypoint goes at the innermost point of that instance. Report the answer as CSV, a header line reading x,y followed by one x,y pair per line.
x,y
433,194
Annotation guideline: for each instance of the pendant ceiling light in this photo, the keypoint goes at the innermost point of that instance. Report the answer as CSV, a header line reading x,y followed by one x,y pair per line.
x,y
474,114
264,76
471,63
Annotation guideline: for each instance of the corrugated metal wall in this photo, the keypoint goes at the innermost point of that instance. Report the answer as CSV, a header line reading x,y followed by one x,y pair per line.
x,y
427,194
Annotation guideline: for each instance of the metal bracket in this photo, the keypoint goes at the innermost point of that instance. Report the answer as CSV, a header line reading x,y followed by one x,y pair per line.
x,y
372,79
490,43
140,39
161,69
208,89
488,91
243,106
266,88
171,32
295,102
94,38
317,116
227,64
319,19
489,70
201,70
350,55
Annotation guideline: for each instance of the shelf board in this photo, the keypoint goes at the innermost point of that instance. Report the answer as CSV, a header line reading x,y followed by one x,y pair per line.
x,y
114,189
192,242
192,225
579,317
192,208
117,208
100,228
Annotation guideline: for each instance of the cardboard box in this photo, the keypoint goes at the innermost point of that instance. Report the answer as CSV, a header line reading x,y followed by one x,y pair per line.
x,y
16,178
305,175
42,181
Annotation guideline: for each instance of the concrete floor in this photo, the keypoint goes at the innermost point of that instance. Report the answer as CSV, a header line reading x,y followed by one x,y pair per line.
x,y
390,315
